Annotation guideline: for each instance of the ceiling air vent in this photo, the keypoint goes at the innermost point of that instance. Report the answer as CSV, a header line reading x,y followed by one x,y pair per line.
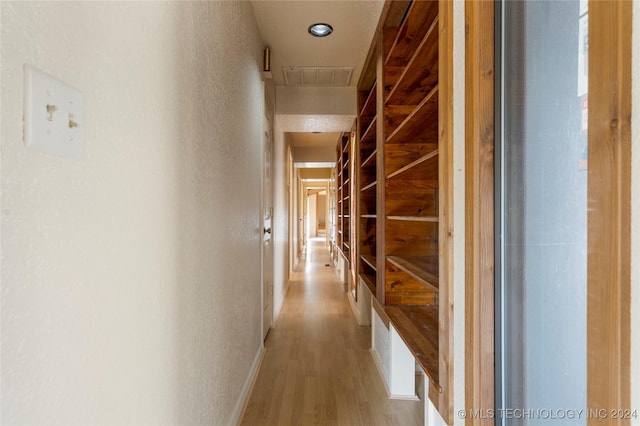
x,y
317,76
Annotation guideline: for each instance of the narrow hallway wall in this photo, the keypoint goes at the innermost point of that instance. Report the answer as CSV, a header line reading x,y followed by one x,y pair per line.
x,y
281,219
131,277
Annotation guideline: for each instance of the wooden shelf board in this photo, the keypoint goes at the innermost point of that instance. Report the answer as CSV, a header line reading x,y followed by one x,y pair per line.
x,y
420,74
370,133
417,326
369,260
398,155
394,115
370,160
368,216
413,127
371,185
369,107
407,38
414,218
413,164
422,268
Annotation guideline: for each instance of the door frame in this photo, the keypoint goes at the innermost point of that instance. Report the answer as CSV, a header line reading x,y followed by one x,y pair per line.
x,y
266,133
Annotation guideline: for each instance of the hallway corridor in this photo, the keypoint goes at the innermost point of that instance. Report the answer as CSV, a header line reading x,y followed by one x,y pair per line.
x,y
317,369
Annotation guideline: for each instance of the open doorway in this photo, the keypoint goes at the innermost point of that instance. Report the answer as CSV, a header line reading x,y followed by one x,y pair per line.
x,y
313,156
317,213
313,205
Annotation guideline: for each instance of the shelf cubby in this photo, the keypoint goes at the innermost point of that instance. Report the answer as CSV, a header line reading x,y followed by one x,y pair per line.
x,y
410,33
418,327
423,269
421,73
419,125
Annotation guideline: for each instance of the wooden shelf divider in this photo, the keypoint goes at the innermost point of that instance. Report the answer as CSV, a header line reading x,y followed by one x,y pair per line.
x,y
414,218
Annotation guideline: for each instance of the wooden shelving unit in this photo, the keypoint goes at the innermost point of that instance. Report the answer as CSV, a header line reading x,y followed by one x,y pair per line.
x,y
339,196
333,215
410,73
367,187
343,197
400,185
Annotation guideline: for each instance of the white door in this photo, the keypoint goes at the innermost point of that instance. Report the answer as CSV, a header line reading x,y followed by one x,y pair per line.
x,y
267,240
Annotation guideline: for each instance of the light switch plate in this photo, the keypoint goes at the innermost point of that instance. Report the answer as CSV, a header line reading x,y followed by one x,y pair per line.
x,y
53,115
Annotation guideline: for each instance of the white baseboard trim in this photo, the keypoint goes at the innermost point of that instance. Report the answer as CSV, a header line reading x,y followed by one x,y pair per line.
x,y
241,405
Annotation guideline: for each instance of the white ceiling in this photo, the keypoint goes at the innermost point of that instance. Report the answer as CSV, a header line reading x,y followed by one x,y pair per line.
x,y
284,29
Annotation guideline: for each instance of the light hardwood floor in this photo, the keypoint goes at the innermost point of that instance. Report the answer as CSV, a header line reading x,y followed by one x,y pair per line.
x,y
317,369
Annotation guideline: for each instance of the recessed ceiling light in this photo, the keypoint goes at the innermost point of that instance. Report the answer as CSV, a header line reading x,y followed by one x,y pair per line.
x,y
320,30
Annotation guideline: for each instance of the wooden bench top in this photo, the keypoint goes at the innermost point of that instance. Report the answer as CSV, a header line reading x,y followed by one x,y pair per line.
x,y
417,325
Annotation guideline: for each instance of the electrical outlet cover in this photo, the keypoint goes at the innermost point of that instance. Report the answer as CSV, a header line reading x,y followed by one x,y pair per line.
x,y
53,115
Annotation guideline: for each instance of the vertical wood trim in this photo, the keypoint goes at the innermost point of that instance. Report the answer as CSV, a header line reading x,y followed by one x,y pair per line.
x,y
354,211
479,206
445,172
609,217
380,175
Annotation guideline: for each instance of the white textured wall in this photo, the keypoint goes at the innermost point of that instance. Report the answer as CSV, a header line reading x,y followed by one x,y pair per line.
x,y
635,214
281,220
381,345
314,154
316,100
130,278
